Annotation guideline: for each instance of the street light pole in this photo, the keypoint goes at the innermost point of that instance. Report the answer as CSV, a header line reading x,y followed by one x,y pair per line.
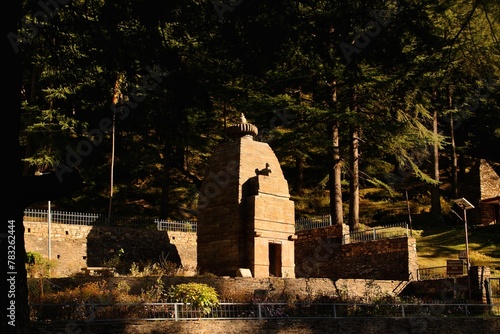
x,y
466,240
49,222
466,205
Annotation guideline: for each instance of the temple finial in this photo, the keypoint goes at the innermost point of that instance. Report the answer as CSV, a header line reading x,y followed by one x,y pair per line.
x,y
243,129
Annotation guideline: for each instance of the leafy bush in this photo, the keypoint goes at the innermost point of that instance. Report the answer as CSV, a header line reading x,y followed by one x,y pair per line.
x,y
153,292
145,270
115,260
37,265
200,296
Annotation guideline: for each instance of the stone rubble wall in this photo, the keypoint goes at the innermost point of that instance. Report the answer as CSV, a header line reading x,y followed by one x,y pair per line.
x,y
74,247
320,253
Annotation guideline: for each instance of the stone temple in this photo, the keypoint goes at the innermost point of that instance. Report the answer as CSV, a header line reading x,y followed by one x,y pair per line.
x,y
246,219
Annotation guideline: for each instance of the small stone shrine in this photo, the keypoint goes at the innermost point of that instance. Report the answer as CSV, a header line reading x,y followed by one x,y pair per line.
x,y
246,219
481,186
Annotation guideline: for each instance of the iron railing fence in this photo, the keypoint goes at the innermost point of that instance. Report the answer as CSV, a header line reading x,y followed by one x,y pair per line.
x,y
376,233
494,286
93,219
311,223
63,217
89,312
440,272
183,226
431,273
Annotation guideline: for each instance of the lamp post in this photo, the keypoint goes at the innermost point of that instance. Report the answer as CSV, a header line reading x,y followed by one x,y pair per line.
x,y
49,221
466,205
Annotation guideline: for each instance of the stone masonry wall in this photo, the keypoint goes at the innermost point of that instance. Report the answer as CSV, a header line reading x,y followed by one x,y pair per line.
x,y
286,326
242,289
77,246
319,253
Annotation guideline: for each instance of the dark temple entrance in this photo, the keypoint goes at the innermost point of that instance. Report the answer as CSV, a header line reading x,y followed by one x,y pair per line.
x,y
275,260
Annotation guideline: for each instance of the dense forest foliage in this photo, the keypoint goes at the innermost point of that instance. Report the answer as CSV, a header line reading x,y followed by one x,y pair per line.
x,y
136,94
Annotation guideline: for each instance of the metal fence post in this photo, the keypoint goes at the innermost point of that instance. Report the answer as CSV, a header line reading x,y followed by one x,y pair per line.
x,y
374,233
334,311
402,310
259,307
176,312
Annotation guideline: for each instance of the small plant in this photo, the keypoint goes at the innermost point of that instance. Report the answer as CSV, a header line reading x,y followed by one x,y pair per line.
x,y
170,268
147,269
122,288
37,266
154,292
114,261
200,296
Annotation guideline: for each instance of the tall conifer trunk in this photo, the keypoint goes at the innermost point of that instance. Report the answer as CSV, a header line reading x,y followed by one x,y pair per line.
x,y
354,182
453,149
354,164
336,209
298,183
165,183
435,189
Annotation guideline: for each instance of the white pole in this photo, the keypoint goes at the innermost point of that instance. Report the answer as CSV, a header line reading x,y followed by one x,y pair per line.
x,y
49,217
467,252
112,167
466,239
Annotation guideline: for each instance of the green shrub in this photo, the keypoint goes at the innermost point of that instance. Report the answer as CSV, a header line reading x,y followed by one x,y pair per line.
x,y
147,269
153,292
37,265
200,296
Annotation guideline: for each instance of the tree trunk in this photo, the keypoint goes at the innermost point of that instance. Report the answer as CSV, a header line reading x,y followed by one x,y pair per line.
x,y
336,209
453,149
354,182
298,183
462,163
435,190
165,183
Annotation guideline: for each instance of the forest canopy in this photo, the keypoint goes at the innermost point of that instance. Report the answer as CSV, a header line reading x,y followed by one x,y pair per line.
x,y
136,94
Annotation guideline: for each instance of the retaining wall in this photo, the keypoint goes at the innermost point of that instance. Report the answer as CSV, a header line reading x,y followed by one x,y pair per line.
x,y
320,253
76,246
303,326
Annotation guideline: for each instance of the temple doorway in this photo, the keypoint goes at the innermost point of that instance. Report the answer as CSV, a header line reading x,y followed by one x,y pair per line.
x,y
275,260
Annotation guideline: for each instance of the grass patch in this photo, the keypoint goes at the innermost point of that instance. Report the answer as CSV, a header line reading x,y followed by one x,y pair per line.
x,y
436,241
438,244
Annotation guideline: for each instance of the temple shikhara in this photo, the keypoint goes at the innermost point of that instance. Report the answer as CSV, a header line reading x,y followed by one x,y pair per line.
x,y
246,219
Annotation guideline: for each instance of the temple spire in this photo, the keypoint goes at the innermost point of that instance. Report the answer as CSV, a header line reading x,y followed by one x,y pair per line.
x,y
242,129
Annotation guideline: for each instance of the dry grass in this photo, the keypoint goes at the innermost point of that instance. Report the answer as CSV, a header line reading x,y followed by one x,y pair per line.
x,y
436,245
